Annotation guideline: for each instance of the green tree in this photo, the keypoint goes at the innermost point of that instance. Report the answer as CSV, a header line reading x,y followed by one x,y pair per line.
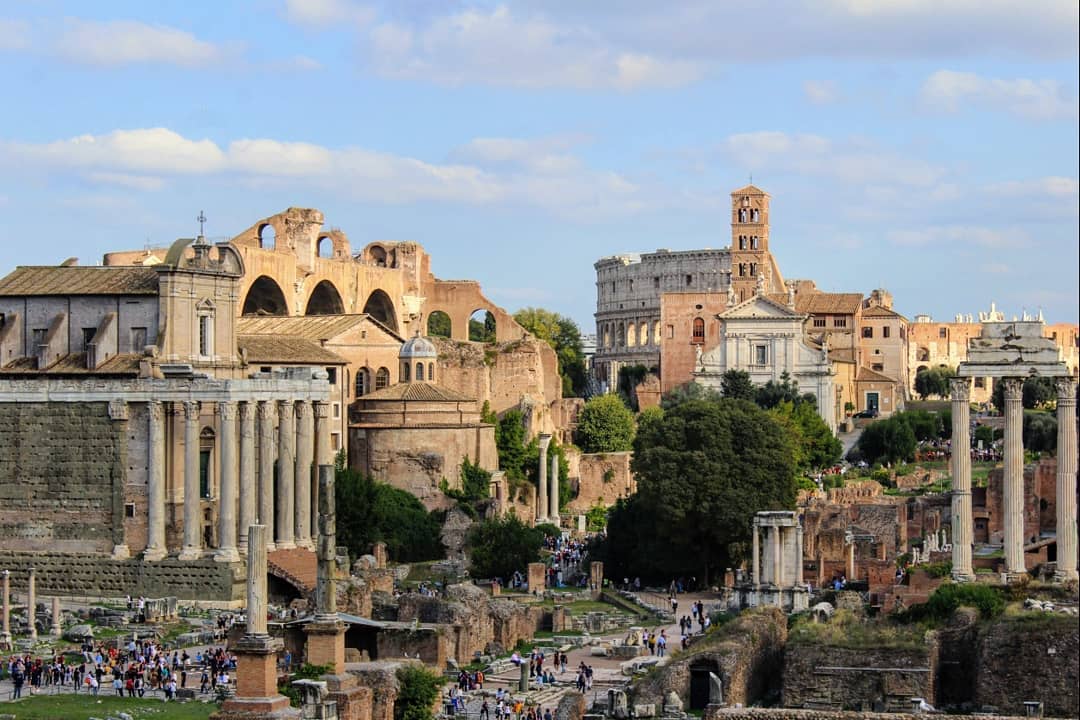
x,y
888,441
475,482
703,470
984,433
815,445
605,425
369,511
1038,392
499,546
438,324
1040,432
934,382
510,443
482,330
737,384
418,689
924,425
687,392
773,393
564,336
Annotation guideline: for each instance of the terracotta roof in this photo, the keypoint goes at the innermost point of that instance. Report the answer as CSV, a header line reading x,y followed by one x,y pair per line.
x,y
309,327
421,391
822,303
749,190
865,374
79,280
286,349
75,364
879,311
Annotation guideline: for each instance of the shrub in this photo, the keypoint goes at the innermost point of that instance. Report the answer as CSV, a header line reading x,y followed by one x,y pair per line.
x,y
987,599
417,693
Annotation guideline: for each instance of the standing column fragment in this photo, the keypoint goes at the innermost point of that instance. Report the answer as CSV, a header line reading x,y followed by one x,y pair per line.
x,y
249,486
305,451
228,474
542,486
286,468
1066,481
962,534
192,502
267,451
1014,479
155,482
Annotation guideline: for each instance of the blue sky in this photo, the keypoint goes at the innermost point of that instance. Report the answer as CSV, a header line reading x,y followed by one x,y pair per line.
x,y
927,147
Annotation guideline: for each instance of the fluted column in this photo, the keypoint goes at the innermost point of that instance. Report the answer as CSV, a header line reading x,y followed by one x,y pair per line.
x,y
305,452
542,488
553,513
227,497
777,570
1066,480
155,482
962,535
5,631
756,569
324,455
192,503
1014,478
31,603
249,486
57,628
267,454
798,555
286,474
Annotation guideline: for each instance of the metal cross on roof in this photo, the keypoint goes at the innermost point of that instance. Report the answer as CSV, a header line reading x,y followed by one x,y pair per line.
x,y
201,220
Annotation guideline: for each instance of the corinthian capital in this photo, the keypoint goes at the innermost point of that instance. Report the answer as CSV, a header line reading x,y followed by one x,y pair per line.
x,y
1066,390
960,388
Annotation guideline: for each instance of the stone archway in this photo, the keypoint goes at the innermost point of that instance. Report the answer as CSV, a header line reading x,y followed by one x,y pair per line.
x,y
380,307
439,325
325,300
265,297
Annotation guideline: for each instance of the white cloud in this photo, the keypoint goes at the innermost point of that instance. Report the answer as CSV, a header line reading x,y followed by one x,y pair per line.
x,y
950,235
303,62
14,34
124,42
821,92
152,150
499,48
326,13
951,91
1051,187
126,180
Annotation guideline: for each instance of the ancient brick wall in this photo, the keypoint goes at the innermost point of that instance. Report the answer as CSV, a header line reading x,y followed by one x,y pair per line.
x,y
720,712
61,477
602,478
872,678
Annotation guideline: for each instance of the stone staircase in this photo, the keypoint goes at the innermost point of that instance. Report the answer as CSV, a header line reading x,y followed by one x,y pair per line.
x,y
298,567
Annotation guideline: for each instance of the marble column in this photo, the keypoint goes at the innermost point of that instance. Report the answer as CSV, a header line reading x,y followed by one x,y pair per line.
x,y
1014,479
1066,480
192,502
305,452
249,487
326,634
57,629
155,482
798,555
542,485
227,497
553,513
962,535
756,561
5,631
118,413
324,455
778,564
258,539
267,453
851,560
31,603
286,474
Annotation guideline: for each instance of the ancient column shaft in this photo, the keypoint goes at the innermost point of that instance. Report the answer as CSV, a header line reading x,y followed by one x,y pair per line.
x,y
542,485
305,451
1014,478
325,588
155,482
553,513
798,555
249,492
962,534
228,474
267,453
756,569
778,564
31,603
6,591
256,580
286,477
1066,480
192,502
324,455
56,630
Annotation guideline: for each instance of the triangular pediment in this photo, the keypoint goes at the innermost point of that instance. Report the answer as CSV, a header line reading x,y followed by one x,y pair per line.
x,y
760,307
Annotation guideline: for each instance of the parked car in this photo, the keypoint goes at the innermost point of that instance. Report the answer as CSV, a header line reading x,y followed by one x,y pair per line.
x,y
868,413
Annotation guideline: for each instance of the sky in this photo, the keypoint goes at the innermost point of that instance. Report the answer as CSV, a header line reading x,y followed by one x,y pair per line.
x,y
929,147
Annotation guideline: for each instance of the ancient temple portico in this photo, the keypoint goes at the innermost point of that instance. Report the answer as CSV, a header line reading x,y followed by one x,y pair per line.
x,y
1009,352
776,572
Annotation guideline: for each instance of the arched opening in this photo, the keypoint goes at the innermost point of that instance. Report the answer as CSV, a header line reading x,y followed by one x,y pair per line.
x,y
699,331
265,297
267,237
607,336
381,308
326,247
704,675
419,372
643,334
431,372
382,378
439,325
378,255
922,354
325,300
363,381
405,371
620,336
482,326
656,333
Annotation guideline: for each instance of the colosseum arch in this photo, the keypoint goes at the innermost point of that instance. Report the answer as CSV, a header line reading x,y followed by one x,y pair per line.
x,y
381,307
439,325
325,300
265,297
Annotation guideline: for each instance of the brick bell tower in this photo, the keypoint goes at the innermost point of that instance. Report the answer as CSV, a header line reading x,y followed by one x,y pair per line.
x,y
750,259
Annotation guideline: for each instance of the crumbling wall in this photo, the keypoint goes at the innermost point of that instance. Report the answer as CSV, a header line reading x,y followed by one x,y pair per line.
x,y
602,478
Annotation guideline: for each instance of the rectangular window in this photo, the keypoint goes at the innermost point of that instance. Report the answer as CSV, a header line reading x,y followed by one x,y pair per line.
x,y
670,332
204,473
839,322
206,335
631,285
885,331
943,332
331,375
265,369
337,410
138,339
88,336
761,354
819,322
335,441
689,279
38,337
129,510
656,282
868,332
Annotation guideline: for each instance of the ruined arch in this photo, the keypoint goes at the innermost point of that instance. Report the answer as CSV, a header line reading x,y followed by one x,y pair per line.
x,y
325,247
265,297
325,300
482,326
381,307
267,237
439,325
922,354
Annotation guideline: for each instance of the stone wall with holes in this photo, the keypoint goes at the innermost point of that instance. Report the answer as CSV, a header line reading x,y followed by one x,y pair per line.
x,y
602,478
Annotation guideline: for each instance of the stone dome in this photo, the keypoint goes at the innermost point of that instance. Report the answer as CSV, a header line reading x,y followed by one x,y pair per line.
x,y
418,348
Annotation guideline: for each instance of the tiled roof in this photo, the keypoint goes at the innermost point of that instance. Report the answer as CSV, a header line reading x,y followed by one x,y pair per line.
x,y
75,364
286,349
822,303
749,190
865,374
879,311
79,280
421,391
310,327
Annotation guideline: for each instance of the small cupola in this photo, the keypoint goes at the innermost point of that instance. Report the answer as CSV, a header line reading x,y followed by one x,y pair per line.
x,y
417,359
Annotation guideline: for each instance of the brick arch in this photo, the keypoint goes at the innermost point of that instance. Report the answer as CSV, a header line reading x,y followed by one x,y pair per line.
x,y
264,296
381,307
324,299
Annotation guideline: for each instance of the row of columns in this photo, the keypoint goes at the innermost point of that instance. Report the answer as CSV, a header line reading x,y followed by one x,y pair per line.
x,y
1013,491
292,436
776,551
55,629
547,503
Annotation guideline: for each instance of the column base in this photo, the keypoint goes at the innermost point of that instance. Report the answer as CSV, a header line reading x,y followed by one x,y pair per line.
x,y
1063,576
154,554
1013,577
963,577
286,545
56,632
326,643
306,543
555,520
272,708
226,555
121,552
190,553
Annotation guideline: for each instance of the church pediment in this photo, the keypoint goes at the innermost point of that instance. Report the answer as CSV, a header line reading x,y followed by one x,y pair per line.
x,y
760,307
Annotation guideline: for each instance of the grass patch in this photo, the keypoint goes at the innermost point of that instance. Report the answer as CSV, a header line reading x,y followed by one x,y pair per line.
x,y
83,707
847,631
